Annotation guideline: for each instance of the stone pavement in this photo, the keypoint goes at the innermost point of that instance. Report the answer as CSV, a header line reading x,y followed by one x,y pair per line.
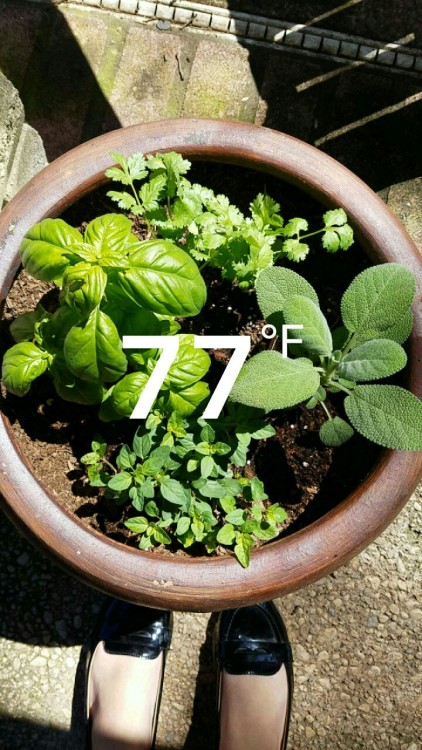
x,y
356,634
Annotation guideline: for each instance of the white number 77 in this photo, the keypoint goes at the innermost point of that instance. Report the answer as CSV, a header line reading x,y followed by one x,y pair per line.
x,y
170,346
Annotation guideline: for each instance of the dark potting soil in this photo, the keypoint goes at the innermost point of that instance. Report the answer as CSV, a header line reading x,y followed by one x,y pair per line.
x,y
298,471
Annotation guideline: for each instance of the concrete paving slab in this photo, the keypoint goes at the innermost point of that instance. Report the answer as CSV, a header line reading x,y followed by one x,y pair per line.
x,y
221,84
355,637
148,84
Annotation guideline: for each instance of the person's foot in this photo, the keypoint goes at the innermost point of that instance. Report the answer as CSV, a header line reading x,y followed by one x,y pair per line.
x,y
125,677
256,679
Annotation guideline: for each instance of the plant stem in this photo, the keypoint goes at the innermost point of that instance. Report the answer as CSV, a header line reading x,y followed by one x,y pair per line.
x,y
110,466
310,234
135,194
340,387
326,410
349,345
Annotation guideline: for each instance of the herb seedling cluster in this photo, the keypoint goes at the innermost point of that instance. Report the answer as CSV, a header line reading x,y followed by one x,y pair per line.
x,y
185,478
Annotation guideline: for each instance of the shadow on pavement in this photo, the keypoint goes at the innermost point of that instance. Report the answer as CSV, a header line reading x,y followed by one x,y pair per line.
x,y
366,117
41,55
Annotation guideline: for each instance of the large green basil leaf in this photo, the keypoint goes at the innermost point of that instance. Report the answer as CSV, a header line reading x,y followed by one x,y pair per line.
x,y
187,400
74,389
23,327
126,393
110,236
189,366
163,278
137,322
54,330
93,350
22,364
45,248
83,287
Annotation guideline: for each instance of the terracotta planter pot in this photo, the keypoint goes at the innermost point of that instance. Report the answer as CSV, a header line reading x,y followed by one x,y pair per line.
x,y
205,584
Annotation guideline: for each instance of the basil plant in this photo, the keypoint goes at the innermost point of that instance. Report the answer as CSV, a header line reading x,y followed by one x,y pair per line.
x,y
111,284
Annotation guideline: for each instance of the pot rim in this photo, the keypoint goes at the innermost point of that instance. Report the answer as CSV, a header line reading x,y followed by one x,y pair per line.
x,y
206,584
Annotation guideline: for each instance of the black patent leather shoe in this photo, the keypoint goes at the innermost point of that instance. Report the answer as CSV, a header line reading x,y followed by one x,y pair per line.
x,y
130,630
254,641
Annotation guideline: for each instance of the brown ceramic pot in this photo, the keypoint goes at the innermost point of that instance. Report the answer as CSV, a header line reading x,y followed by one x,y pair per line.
x,y
205,584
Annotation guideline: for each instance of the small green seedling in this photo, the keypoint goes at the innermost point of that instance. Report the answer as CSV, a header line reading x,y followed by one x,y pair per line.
x,y
185,481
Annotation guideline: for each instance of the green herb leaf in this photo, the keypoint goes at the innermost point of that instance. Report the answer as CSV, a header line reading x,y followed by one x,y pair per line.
x,y
257,489
183,525
163,278
126,393
295,250
207,466
274,514
126,459
315,334
387,414
373,360
398,332
93,350
274,286
335,218
294,227
338,238
22,364
152,509
188,399
175,492
226,534
108,235
283,382
141,444
228,503
236,517
377,297
335,432
45,248
83,287
190,365
120,482
139,525
23,327
242,549
265,531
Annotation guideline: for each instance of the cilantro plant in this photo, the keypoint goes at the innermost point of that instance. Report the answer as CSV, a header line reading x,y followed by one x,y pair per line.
x,y
377,320
111,285
185,484
209,227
